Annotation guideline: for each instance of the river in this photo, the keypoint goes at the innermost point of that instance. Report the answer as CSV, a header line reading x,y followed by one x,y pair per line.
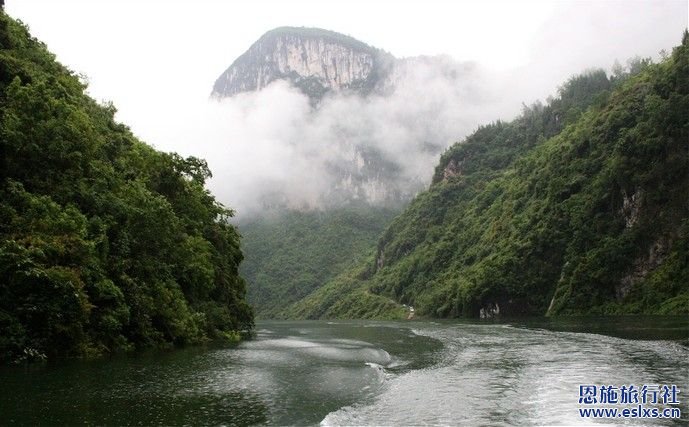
x,y
522,372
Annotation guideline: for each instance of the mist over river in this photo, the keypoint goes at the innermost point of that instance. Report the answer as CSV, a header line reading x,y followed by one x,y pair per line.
x,y
523,372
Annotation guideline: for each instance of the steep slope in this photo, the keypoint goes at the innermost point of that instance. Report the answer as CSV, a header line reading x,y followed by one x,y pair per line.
x,y
319,62
580,206
350,140
293,253
312,59
347,173
105,243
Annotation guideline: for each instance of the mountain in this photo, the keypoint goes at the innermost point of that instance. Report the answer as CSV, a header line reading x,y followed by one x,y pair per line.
x,y
351,139
106,244
290,254
319,61
366,148
578,206
312,59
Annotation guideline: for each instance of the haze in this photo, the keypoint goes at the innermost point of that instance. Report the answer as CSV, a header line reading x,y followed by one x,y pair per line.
x,y
157,62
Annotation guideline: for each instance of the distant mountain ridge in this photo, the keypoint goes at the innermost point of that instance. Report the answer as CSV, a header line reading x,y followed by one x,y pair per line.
x,y
371,139
319,61
359,168
312,59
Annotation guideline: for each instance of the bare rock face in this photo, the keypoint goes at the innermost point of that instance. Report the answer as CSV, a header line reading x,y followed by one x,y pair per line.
x,y
452,169
644,265
631,207
314,60
320,62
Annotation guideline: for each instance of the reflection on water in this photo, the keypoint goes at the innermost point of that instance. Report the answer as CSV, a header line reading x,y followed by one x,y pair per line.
x,y
305,373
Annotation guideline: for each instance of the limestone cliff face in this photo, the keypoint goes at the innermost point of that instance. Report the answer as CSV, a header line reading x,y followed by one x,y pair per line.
x,y
359,168
314,60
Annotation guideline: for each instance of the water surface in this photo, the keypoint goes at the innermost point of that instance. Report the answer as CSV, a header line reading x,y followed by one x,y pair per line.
x,y
520,372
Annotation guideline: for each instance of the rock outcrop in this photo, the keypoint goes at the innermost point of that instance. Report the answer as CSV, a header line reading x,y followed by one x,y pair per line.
x,y
320,62
312,59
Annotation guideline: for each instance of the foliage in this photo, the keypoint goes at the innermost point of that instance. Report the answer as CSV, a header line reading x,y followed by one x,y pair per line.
x,y
289,254
105,243
577,206
344,297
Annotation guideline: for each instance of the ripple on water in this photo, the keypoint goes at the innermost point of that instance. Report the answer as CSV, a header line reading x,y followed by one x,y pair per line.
x,y
349,374
492,374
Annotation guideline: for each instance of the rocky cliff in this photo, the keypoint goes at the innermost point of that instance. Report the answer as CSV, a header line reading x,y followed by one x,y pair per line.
x,y
578,206
360,166
312,59
359,154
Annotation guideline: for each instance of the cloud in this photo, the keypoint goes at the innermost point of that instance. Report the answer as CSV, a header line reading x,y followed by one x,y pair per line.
x,y
272,148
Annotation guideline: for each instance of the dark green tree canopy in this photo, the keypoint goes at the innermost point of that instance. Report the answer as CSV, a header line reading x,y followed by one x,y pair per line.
x,y
105,243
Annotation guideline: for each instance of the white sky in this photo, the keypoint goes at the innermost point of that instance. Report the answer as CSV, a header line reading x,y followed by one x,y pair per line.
x,y
155,59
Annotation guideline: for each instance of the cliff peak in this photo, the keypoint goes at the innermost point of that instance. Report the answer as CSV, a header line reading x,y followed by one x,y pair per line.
x,y
312,59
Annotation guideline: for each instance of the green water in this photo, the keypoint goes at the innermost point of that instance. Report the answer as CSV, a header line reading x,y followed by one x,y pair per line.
x,y
360,373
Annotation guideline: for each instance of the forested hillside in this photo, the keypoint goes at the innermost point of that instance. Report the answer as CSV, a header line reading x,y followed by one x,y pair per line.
x,y
577,206
290,254
105,243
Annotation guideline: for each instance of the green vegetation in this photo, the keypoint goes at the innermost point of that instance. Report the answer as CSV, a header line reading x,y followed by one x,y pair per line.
x,y
578,206
319,33
105,243
345,297
290,254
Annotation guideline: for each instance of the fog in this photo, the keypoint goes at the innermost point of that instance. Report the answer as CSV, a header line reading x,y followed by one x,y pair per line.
x,y
273,147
